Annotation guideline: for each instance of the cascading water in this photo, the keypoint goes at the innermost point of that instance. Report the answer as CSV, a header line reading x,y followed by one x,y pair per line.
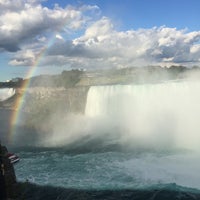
x,y
6,93
153,115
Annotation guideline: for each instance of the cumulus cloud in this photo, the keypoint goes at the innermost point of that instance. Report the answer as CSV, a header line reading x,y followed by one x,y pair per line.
x,y
24,20
23,58
102,46
28,29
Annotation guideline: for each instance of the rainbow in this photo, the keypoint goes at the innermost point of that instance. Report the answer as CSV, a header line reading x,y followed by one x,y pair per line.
x,y
20,99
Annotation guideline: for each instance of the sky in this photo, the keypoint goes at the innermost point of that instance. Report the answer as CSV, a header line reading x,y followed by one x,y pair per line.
x,y
49,36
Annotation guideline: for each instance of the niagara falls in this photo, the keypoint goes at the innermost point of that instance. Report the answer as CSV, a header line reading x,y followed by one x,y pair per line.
x,y
130,136
141,136
99,100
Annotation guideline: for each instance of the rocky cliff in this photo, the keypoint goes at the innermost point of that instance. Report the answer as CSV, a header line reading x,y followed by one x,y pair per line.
x,y
70,100
40,103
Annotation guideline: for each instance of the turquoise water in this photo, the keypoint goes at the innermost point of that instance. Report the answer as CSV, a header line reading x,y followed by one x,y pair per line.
x,y
107,170
129,138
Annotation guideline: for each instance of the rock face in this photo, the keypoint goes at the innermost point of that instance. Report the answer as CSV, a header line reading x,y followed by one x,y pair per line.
x,y
8,182
41,104
71,99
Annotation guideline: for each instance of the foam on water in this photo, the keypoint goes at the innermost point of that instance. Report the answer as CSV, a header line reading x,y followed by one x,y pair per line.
x,y
109,170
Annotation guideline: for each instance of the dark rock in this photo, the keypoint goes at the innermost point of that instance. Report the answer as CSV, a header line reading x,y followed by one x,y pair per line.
x,y
8,181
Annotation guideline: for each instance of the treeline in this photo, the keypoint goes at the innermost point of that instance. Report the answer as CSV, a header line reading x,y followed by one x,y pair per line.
x,y
151,69
66,79
16,83
70,79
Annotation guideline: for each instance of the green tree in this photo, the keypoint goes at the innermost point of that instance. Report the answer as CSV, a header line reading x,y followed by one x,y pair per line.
x,y
70,78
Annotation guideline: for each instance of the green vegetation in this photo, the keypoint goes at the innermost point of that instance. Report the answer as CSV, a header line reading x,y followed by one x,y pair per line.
x,y
79,78
71,78
14,83
134,75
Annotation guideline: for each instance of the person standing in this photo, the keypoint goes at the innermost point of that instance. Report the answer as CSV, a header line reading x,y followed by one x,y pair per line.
x,y
3,195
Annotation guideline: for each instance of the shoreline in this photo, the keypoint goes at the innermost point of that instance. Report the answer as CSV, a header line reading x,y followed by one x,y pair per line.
x,y
164,192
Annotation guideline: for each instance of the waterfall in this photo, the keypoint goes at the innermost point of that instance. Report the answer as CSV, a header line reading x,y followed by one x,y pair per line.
x,y
164,114
6,93
145,116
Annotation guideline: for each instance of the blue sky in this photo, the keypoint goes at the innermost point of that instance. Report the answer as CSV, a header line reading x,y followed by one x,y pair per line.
x,y
134,14
60,35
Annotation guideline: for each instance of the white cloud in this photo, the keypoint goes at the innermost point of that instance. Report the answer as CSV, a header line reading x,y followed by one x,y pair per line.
x,y
23,20
158,45
23,58
97,31
195,49
25,28
58,36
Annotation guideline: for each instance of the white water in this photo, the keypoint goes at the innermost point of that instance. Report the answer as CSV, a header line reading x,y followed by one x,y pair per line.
x,y
6,93
164,117
108,170
151,115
